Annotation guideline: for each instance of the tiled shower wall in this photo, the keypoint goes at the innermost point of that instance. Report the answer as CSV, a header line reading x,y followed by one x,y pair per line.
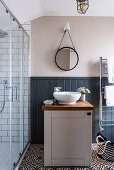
x,y
16,73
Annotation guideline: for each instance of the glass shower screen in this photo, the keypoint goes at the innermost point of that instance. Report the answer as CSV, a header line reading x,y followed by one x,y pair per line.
x,y
14,90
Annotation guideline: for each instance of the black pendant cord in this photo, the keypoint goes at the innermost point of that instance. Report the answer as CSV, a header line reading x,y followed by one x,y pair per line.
x,y
63,38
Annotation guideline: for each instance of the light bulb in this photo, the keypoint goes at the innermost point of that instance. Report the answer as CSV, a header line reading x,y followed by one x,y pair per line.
x,y
82,5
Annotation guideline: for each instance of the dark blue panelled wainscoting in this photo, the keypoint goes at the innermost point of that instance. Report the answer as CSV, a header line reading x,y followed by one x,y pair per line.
x,y
42,89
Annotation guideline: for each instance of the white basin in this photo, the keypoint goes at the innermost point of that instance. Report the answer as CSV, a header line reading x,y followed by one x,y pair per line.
x,y
67,97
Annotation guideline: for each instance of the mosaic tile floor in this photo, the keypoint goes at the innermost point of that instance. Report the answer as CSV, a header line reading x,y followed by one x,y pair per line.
x,y
34,160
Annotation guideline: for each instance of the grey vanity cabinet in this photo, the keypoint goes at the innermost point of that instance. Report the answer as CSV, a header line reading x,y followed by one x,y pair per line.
x,y
67,137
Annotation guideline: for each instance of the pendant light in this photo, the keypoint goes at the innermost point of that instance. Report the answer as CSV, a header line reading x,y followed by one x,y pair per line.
x,y
82,6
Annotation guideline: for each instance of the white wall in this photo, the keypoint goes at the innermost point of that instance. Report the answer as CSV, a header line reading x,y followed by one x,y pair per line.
x,y
93,37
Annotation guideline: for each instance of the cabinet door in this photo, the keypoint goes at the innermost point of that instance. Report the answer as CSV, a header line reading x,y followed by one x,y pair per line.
x,y
71,138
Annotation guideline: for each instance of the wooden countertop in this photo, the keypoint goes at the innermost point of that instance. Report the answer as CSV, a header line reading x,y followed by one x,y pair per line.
x,y
80,105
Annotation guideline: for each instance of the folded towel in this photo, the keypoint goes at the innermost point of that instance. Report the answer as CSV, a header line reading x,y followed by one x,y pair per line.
x,y
48,102
109,95
110,67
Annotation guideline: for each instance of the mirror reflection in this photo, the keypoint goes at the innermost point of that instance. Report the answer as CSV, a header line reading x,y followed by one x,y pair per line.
x,y
66,58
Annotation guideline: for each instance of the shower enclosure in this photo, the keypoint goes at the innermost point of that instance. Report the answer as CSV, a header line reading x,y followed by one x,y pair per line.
x,y
14,89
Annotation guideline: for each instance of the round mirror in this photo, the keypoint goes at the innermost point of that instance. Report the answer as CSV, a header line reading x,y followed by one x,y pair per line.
x,y
66,58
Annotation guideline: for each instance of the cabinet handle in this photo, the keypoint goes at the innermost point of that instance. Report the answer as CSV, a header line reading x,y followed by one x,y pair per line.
x,y
88,113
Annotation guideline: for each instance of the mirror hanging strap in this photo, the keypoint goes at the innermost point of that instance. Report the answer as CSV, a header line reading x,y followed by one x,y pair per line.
x,y
71,40
63,38
61,41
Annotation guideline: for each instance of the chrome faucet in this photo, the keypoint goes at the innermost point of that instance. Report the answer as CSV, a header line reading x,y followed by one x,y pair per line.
x,y
57,89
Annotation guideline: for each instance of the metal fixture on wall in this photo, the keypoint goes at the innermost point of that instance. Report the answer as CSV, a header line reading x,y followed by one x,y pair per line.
x,y
82,6
3,34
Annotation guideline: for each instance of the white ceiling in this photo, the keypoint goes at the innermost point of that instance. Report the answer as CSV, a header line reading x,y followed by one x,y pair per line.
x,y
26,10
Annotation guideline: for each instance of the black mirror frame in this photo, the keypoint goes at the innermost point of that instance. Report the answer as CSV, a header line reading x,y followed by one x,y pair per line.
x,y
71,49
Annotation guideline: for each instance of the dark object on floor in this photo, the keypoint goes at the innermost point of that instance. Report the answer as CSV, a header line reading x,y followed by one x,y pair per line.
x,y
105,149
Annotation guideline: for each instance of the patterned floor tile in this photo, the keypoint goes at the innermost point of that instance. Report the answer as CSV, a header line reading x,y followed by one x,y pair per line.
x,y
34,160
